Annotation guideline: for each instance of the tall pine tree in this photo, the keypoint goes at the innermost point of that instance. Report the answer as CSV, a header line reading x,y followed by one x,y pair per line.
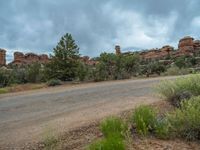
x,y
64,63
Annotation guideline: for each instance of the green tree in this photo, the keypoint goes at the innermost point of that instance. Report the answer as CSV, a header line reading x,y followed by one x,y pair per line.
x,y
131,64
107,66
64,63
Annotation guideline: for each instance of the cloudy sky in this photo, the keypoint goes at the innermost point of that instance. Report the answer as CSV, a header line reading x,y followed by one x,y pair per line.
x,y
97,25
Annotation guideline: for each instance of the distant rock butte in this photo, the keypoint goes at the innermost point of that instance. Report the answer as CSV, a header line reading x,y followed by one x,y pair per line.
x,y
187,46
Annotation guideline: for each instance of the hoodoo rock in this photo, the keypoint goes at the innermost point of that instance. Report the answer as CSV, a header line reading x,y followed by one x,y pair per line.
x,y
186,45
2,57
117,50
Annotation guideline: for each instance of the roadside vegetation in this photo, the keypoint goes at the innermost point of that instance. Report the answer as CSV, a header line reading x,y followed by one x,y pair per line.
x,y
114,130
182,122
67,65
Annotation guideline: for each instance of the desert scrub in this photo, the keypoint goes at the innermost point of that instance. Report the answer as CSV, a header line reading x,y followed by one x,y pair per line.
x,y
54,82
144,119
161,128
170,89
112,126
110,143
185,121
50,141
172,71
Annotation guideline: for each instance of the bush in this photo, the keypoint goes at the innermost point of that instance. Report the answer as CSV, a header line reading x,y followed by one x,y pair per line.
x,y
144,118
185,121
6,78
162,128
113,125
172,71
17,75
179,97
170,89
54,82
33,73
110,143
82,71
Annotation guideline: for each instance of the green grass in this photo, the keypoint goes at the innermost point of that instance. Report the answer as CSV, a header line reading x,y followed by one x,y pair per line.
x,y
110,143
114,130
144,118
169,88
113,125
4,90
21,87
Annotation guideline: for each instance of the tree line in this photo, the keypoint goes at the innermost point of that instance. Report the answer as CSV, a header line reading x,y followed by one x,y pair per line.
x,y
66,65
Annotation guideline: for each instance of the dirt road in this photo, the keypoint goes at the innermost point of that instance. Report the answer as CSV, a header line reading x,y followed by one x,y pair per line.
x,y
25,116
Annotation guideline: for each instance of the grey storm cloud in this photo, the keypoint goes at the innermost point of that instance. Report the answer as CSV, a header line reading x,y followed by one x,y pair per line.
x,y
37,25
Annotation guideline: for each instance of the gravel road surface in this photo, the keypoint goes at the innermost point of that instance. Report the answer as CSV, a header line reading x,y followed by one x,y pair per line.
x,y
26,116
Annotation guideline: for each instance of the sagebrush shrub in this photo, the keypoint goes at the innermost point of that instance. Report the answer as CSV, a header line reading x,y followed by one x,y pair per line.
x,y
54,82
185,121
179,97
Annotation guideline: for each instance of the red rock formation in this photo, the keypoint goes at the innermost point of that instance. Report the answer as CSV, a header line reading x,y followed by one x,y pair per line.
x,y
196,45
88,61
167,49
2,57
29,58
44,58
85,58
185,45
18,58
157,53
